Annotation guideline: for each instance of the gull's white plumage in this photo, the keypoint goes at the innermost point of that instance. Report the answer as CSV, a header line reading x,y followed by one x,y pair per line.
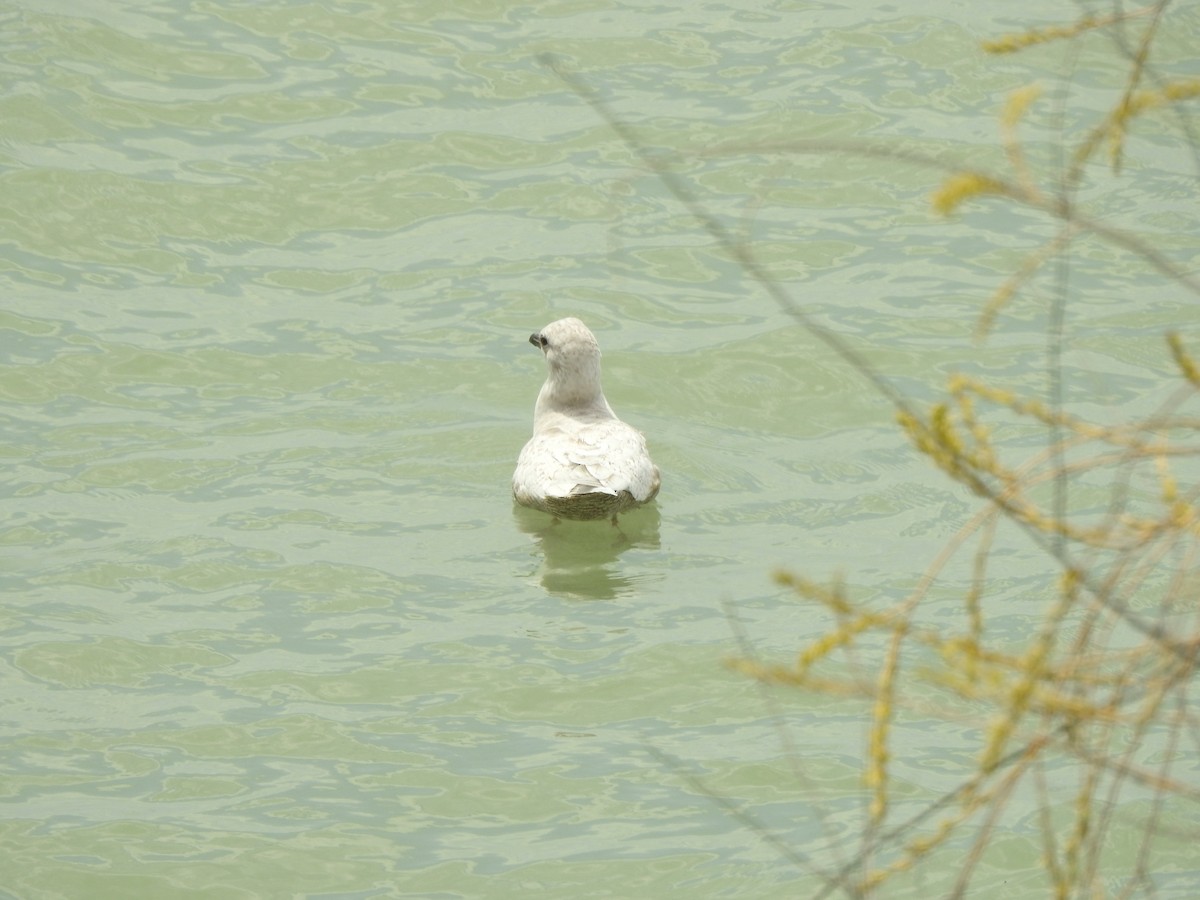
x,y
582,461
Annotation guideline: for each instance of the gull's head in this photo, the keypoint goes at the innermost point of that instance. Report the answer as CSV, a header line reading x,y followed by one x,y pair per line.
x,y
573,357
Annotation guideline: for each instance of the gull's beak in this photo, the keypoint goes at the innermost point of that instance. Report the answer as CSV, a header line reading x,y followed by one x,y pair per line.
x,y
537,340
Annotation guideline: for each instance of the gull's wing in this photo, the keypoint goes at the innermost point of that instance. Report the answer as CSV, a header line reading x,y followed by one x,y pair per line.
x,y
602,457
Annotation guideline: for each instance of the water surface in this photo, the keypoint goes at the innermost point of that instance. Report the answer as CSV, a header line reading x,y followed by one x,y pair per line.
x,y
271,626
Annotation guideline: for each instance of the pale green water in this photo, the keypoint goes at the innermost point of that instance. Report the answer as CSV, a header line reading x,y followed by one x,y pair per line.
x,y
271,627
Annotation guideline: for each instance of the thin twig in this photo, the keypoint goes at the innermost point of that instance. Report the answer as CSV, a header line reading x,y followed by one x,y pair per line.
x,y
738,812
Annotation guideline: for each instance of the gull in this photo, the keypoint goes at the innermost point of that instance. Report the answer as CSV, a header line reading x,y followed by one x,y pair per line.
x,y
582,461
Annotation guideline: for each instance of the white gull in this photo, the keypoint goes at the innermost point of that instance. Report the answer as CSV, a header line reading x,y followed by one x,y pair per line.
x,y
582,461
